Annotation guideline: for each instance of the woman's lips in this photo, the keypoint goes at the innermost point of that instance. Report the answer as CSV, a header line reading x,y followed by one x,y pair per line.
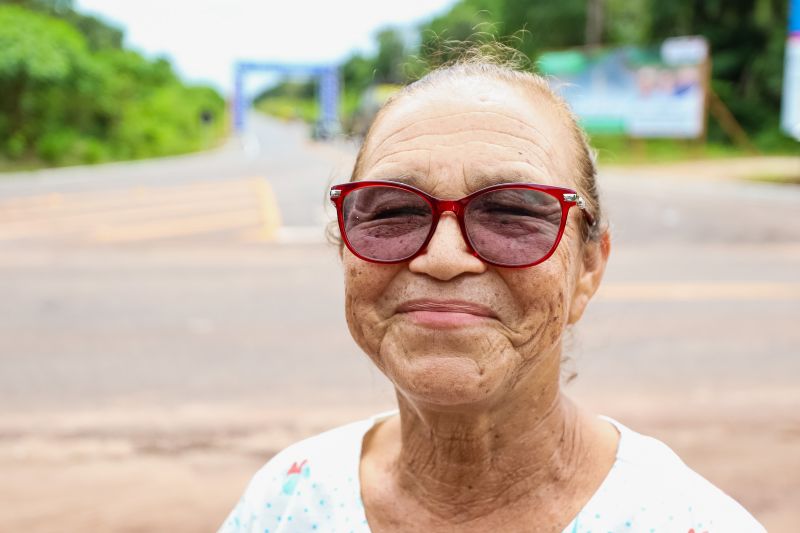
x,y
445,313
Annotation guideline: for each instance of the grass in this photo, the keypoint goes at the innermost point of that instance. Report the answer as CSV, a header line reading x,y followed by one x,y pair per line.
x,y
617,149
7,165
621,150
294,108
209,141
780,180
290,108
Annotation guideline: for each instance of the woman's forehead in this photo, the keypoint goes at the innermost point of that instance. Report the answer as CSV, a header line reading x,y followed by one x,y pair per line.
x,y
478,135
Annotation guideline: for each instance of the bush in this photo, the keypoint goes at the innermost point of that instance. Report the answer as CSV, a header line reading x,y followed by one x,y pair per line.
x,y
55,146
15,146
66,102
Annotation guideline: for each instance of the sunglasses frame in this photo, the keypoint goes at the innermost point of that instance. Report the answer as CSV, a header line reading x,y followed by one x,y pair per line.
x,y
566,198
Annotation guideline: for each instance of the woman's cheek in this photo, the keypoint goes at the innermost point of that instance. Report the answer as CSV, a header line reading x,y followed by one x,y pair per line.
x,y
365,283
540,294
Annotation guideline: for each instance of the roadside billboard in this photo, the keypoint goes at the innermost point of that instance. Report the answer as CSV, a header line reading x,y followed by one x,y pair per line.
x,y
790,108
655,91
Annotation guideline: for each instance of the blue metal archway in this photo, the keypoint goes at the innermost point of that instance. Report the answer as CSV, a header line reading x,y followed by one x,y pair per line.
x,y
328,90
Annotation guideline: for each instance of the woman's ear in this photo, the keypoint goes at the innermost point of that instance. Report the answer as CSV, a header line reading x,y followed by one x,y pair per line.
x,y
593,265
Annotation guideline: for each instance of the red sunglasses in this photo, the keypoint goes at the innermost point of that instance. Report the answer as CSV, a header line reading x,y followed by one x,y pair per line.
x,y
511,225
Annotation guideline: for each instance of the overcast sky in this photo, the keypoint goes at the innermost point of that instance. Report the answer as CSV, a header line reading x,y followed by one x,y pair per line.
x,y
203,38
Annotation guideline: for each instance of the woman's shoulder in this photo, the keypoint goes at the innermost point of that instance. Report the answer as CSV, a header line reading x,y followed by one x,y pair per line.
x,y
328,450
661,490
311,482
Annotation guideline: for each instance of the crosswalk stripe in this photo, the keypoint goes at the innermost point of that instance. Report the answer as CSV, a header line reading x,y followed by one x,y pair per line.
x,y
75,203
177,228
55,198
144,213
269,212
53,226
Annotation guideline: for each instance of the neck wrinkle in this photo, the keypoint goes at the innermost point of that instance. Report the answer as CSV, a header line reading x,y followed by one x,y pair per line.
x,y
461,466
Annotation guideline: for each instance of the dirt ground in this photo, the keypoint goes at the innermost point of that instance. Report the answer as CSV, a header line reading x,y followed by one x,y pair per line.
x,y
126,469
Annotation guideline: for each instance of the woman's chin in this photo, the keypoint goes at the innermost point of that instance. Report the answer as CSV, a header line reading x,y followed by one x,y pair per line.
x,y
443,380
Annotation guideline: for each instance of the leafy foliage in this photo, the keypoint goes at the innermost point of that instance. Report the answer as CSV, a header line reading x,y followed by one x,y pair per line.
x,y
99,34
747,39
69,92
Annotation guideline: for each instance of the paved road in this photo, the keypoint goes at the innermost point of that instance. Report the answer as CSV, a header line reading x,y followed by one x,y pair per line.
x,y
203,280
164,278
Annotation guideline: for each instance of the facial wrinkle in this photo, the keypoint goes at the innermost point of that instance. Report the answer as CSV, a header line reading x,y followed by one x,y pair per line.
x,y
536,366
384,159
474,179
528,145
552,317
430,157
401,151
465,185
538,133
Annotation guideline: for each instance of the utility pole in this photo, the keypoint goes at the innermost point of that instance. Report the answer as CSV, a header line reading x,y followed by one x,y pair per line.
x,y
595,11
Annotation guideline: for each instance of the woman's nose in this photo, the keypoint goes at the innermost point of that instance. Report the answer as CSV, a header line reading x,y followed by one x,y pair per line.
x,y
447,255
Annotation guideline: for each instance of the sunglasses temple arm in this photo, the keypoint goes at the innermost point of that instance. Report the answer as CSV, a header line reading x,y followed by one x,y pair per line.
x,y
589,217
582,206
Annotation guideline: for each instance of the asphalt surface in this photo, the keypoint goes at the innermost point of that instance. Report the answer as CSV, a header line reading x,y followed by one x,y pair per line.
x,y
146,287
155,279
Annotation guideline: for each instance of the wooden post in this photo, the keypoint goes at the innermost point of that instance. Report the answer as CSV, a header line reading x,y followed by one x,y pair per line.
x,y
706,85
594,22
729,124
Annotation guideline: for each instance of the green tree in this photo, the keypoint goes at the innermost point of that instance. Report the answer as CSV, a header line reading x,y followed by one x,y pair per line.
x,y
747,38
63,101
38,53
98,33
358,72
391,56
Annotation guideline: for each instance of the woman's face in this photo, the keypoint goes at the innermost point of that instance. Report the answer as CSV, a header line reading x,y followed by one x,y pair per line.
x,y
408,317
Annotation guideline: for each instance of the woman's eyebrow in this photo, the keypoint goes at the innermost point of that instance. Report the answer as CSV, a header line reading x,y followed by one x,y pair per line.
x,y
487,180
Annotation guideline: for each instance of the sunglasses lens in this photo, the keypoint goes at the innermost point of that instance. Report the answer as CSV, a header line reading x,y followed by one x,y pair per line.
x,y
386,223
513,227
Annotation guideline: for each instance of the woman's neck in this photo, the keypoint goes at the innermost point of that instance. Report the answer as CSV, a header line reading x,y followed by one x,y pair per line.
x,y
460,464
534,450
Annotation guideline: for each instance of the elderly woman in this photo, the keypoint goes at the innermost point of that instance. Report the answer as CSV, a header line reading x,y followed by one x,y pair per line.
x,y
473,238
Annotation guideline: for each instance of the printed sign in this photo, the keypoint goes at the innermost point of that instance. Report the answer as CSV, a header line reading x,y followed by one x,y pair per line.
x,y
641,92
